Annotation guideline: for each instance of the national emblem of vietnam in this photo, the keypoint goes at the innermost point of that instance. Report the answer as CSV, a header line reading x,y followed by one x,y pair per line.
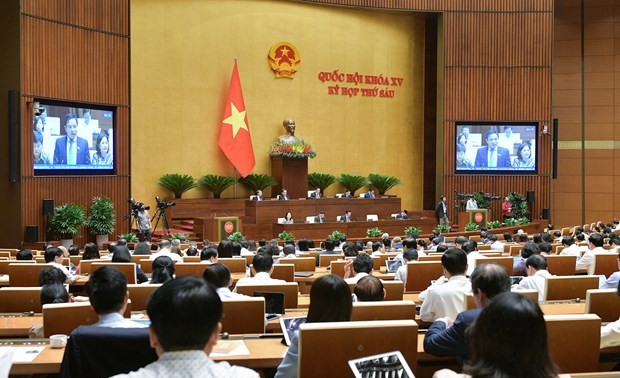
x,y
284,59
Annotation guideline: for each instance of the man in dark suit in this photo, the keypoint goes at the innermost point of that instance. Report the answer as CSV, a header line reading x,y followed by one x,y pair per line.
x,y
347,194
403,215
316,193
491,155
370,193
445,338
442,212
71,149
320,218
346,217
259,195
284,196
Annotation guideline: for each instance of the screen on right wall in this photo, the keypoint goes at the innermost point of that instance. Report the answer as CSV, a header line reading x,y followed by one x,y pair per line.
x,y
496,147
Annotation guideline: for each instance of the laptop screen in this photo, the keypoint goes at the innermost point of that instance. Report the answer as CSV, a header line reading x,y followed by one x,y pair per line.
x,y
274,302
393,265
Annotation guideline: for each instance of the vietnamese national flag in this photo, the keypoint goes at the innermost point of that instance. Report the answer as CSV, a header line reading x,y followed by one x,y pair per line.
x,y
235,140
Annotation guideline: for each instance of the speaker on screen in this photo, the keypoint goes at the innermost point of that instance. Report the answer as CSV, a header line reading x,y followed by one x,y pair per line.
x,y
14,140
555,149
48,207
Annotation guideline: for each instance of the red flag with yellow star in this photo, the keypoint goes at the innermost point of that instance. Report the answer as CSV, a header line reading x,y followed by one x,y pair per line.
x,y
235,140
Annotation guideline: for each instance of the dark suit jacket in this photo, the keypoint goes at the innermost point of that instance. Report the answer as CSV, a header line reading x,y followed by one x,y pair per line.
x,y
283,198
60,151
369,195
345,218
347,196
314,195
318,219
439,210
503,157
442,341
400,216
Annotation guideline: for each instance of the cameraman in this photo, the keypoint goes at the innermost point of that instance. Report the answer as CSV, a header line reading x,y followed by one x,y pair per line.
x,y
144,223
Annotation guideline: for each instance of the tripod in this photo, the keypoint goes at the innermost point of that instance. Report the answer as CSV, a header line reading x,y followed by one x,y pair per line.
x,y
160,214
133,217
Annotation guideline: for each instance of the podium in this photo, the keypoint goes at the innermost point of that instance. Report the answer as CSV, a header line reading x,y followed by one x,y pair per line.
x,y
290,174
216,228
477,216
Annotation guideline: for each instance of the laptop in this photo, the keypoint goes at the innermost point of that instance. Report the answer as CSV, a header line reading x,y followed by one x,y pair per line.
x,y
290,325
516,279
391,364
274,303
393,265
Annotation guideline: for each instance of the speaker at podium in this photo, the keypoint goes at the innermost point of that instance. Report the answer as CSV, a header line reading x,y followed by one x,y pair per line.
x,y
478,216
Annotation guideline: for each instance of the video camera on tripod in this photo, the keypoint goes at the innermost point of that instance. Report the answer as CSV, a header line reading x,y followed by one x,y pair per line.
x,y
163,205
137,206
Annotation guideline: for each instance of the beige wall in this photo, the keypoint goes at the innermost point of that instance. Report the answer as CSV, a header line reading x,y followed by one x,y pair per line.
x,y
182,55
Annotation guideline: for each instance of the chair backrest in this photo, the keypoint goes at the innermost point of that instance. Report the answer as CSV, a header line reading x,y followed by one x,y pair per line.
x,y
27,274
484,247
147,265
136,258
249,258
603,302
85,265
339,195
235,265
475,238
420,274
302,264
284,272
326,259
6,254
506,262
83,355
190,269
241,316
384,310
605,263
41,260
128,269
290,290
65,317
574,341
471,304
281,220
20,299
491,254
337,267
515,250
430,258
569,287
394,290
372,217
191,258
310,219
139,295
75,260
561,265
338,217
353,340
4,264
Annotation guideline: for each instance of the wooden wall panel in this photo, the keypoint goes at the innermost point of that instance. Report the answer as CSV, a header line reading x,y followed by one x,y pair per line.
x,y
110,16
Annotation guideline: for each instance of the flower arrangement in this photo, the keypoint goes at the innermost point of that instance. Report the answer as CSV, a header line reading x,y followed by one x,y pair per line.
x,y
292,150
374,232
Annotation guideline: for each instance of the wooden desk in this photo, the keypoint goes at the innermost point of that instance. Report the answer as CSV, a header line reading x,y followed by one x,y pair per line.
x,y
18,326
47,362
352,229
81,281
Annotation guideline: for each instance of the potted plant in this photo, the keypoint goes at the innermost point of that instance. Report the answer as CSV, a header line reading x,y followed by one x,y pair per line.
x,y
320,180
129,237
374,232
336,235
413,232
177,183
285,236
519,205
382,183
494,224
216,184
181,237
258,181
442,228
511,222
101,220
523,221
352,182
66,222
471,227
236,237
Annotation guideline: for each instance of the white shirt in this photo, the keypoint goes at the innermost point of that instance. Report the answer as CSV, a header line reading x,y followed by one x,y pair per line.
x,y
471,204
572,250
535,282
166,252
225,293
445,300
70,278
116,320
497,246
587,260
260,278
355,278
471,261
610,334
189,364
401,273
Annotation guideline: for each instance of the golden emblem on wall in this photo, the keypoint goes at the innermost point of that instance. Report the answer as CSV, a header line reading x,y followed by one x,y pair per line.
x,y
284,59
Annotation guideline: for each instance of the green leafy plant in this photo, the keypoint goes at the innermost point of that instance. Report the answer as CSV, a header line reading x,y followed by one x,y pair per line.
x,y
236,236
177,183
413,231
336,235
216,184
67,220
101,220
131,238
442,228
320,180
352,182
258,181
285,236
483,203
519,205
374,232
383,183
494,224
181,237
523,221
510,222
471,227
